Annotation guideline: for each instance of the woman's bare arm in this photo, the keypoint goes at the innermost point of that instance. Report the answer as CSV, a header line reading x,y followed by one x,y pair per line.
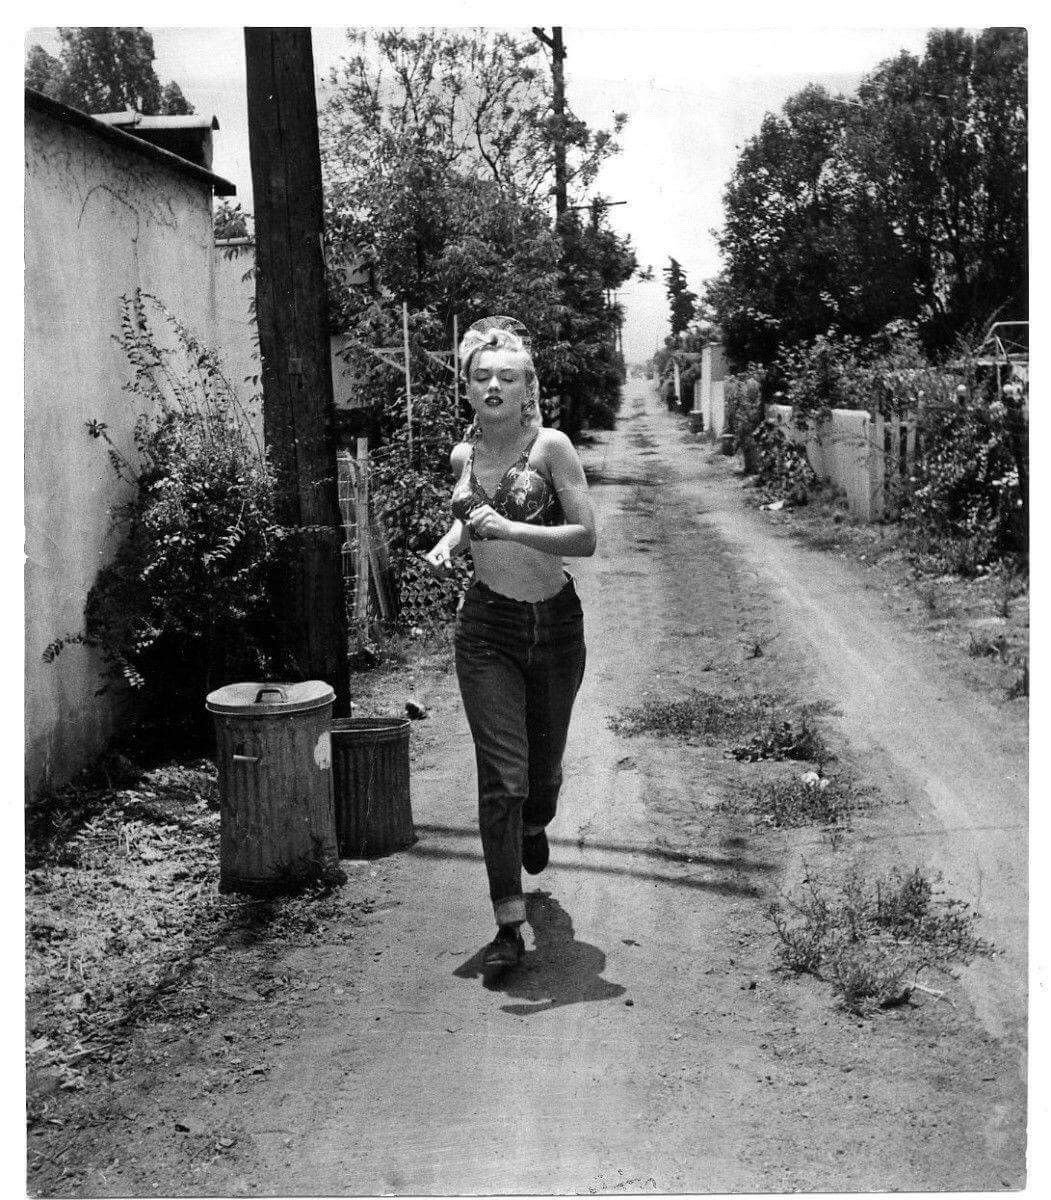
x,y
457,537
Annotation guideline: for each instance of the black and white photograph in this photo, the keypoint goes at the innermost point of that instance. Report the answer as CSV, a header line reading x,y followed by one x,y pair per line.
x,y
527,604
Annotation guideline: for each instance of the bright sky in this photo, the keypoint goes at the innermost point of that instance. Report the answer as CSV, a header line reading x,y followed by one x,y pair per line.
x,y
693,96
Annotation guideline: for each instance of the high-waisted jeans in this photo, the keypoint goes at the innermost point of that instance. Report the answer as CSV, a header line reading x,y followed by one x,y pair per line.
x,y
519,665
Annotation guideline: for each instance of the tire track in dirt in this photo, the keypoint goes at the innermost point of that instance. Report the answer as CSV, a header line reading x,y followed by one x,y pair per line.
x,y
955,757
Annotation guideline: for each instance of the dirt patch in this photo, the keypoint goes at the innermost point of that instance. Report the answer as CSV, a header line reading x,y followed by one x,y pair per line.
x,y
984,618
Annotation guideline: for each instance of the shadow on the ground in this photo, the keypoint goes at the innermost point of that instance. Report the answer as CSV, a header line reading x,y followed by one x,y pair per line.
x,y
560,970
723,887
739,861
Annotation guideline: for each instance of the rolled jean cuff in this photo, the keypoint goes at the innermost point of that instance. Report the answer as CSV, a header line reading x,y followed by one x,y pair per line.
x,y
510,911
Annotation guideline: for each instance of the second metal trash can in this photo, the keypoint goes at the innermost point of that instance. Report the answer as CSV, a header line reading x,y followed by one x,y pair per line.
x,y
277,821
370,769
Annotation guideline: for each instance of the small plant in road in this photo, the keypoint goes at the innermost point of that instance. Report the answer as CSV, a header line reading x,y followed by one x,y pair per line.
x,y
983,646
809,799
779,739
871,937
708,715
698,714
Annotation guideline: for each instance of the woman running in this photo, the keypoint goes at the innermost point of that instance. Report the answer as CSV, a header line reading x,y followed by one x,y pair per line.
x,y
521,503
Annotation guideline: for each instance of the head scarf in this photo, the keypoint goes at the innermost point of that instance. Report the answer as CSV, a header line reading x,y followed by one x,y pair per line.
x,y
502,333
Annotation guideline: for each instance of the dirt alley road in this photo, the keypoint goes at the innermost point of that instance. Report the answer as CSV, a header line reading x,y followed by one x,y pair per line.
x,y
647,1043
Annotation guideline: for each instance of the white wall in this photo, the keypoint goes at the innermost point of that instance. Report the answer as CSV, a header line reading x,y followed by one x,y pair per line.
x,y
99,222
857,453
709,391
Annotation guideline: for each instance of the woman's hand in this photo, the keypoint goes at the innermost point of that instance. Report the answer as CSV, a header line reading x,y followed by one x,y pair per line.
x,y
486,522
439,559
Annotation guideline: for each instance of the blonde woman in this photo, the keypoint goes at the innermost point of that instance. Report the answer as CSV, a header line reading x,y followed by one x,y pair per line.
x,y
521,503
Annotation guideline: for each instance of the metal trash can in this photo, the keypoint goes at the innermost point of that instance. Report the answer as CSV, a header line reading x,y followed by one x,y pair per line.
x,y
274,754
370,766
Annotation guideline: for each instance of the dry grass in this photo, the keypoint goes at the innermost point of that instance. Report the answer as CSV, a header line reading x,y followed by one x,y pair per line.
x,y
698,714
773,727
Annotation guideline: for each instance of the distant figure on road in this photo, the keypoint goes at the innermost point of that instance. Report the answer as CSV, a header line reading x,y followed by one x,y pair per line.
x,y
521,502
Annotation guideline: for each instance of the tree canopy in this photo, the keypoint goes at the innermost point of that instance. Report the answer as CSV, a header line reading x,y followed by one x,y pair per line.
x,y
104,69
478,100
438,165
908,202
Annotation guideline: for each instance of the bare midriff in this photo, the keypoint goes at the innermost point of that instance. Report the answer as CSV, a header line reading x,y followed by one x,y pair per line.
x,y
518,571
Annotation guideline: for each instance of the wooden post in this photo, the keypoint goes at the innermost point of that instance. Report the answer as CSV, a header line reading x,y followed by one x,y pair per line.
x,y
558,106
363,531
298,409
456,364
570,419
408,373
558,54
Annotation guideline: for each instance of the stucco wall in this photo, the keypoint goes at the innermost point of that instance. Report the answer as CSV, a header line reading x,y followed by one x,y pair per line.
x,y
235,329
709,390
99,222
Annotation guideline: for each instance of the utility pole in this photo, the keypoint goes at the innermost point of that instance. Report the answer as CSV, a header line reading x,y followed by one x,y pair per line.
x,y
558,105
298,408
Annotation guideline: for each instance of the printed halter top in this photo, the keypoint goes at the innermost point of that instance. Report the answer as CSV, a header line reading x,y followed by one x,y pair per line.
x,y
523,494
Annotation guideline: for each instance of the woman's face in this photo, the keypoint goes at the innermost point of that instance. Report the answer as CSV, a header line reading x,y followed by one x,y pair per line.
x,y
498,385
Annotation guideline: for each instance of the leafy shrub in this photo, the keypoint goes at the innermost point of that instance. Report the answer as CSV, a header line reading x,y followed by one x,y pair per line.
x,y
783,469
184,605
820,375
969,505
230,221
744,412
411,492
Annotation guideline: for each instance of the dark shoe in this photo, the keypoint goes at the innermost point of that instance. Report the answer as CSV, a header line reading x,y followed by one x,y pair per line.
x,y
535,852
505,950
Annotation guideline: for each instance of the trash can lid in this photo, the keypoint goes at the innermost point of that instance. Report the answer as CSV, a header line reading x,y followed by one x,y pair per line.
x,y
269,699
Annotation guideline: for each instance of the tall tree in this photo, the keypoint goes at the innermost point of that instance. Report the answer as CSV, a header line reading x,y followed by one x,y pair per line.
x,y
946,159
104,69
438,166
906,203
681,301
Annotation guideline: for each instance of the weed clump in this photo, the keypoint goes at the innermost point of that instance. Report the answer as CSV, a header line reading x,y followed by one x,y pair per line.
x,y
708,716
798,739
810,799
1019,686
697,714
983,646
871,937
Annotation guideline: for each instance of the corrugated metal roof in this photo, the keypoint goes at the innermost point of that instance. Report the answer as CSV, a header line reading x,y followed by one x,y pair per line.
x,y
131,144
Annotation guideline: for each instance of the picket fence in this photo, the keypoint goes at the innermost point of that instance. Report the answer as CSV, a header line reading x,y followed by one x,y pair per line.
x,y
868,458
